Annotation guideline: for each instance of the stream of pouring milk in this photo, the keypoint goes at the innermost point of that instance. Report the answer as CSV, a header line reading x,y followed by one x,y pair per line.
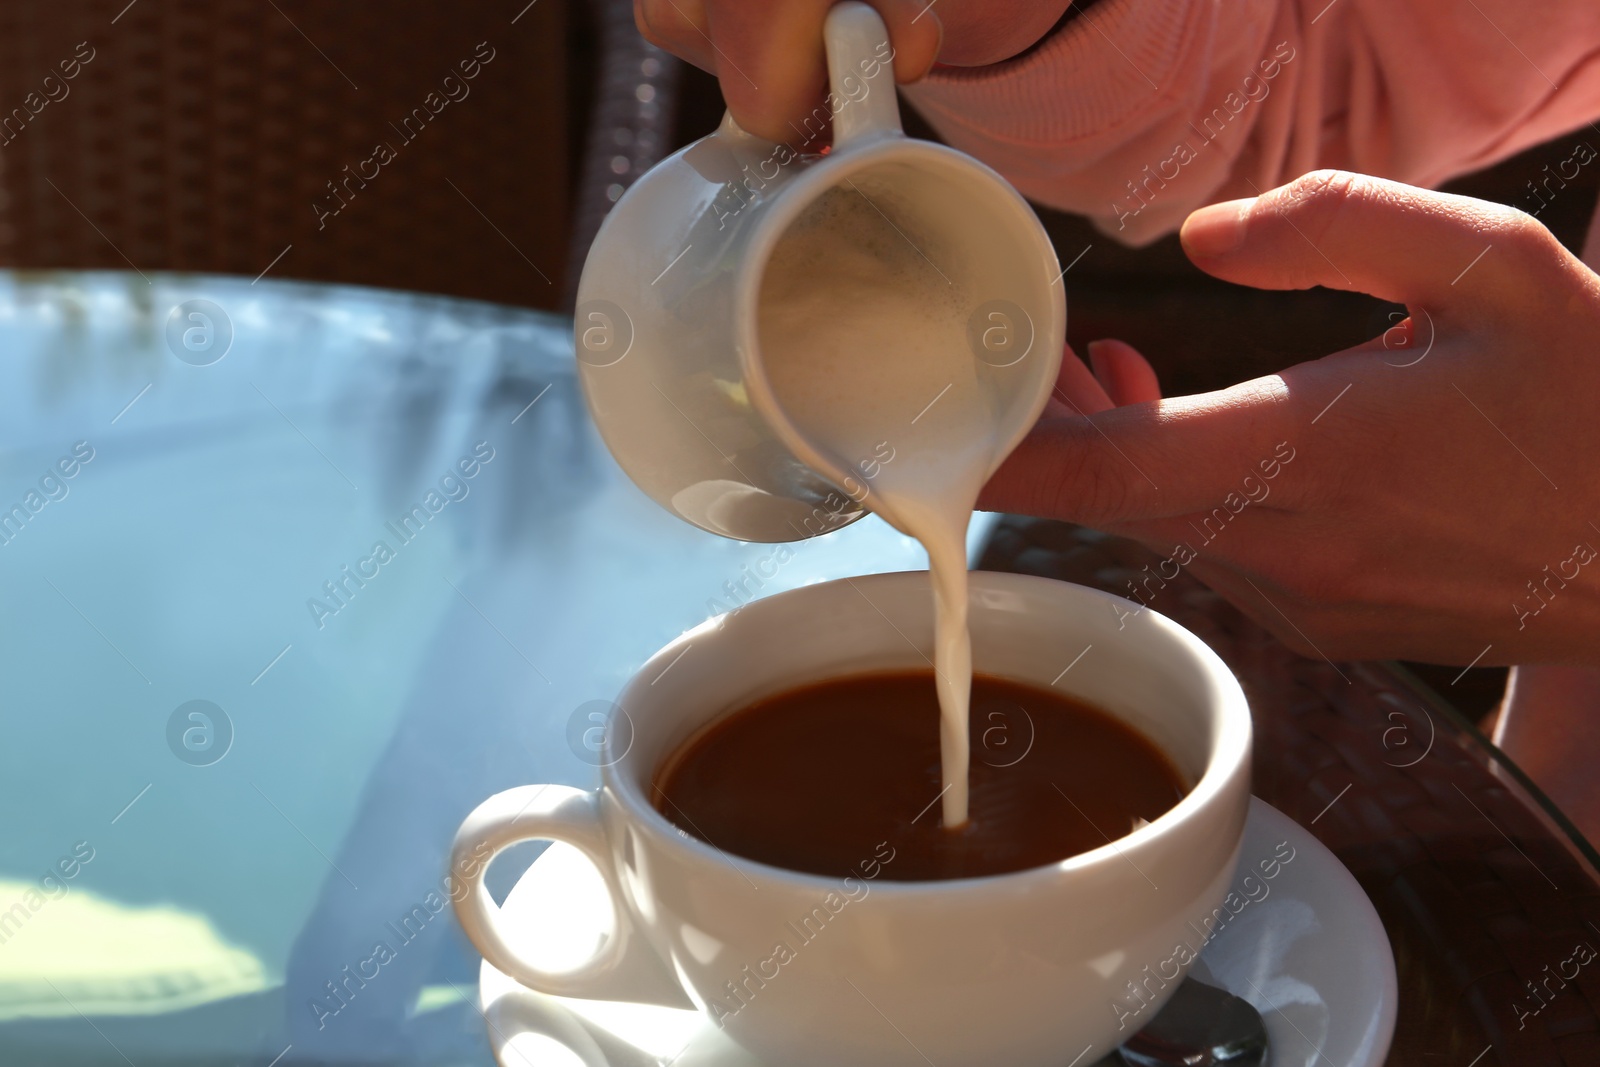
x,y
864,341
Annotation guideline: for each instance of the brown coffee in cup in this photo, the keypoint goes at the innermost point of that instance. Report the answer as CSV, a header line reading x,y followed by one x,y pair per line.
x,y
818,779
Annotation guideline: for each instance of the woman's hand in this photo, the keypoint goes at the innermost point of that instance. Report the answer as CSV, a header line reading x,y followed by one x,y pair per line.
x,y
769,56
1433,494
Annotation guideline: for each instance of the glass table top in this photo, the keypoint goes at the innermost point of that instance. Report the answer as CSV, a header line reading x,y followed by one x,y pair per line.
x,y
296,574
293,585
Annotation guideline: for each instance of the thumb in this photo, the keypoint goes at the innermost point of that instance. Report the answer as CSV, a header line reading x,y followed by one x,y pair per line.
x,y
1397,242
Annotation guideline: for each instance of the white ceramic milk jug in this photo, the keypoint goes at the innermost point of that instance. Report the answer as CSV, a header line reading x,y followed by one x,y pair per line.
x,y
666,321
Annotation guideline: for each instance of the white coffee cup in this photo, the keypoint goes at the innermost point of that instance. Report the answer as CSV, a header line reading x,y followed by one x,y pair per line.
x,y
1028,969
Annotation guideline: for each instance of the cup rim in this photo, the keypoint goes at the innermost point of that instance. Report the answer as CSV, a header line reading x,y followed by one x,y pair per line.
x,y
783,210
1230,755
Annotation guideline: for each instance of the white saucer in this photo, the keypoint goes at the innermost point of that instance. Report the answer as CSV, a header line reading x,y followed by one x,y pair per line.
x,y
1309,953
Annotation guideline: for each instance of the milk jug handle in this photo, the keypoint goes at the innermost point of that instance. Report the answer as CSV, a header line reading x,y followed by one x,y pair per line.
x,y
860,75
861,99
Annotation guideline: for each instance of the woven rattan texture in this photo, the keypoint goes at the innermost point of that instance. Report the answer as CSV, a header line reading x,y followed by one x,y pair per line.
x,y
203,136
1483,901
629,127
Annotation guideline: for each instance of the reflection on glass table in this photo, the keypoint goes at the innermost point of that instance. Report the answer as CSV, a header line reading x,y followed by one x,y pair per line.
x,y
292,585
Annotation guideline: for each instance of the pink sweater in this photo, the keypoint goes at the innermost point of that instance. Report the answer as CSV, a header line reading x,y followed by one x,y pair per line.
x,y
1139,111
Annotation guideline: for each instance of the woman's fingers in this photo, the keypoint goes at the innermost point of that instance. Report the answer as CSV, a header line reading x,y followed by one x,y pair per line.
x,y
1151,461
1126,375
1077,391
770,57
678,26
1121,376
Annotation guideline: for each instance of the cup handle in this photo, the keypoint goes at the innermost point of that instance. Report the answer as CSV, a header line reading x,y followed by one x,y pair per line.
x,y
857,42
625,967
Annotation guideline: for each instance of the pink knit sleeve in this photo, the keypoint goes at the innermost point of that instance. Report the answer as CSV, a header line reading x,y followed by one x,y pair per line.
x,y
1139,111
